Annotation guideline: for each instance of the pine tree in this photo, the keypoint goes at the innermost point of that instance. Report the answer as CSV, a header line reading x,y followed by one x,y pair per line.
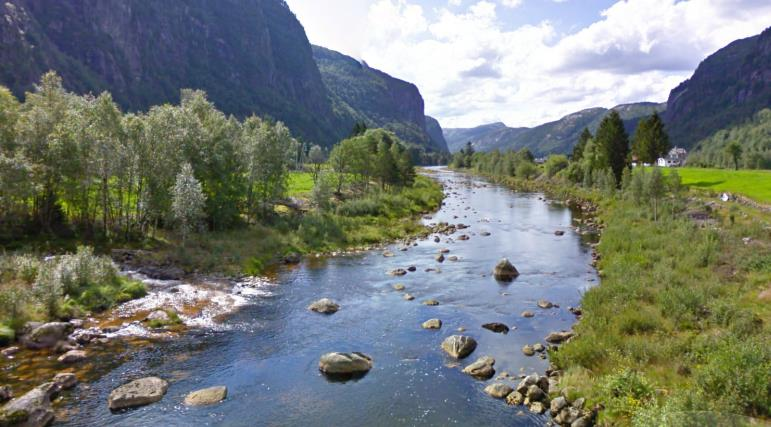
x,y
613,144
578,150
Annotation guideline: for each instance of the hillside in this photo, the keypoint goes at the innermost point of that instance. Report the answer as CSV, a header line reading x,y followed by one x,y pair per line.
x,y
434,130
727,89
554,137
360,93
754,136
250,56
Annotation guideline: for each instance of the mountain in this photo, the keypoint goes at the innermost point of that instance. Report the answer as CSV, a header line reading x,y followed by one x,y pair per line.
x,y
250,56
554,137
434,130
727,89
360,93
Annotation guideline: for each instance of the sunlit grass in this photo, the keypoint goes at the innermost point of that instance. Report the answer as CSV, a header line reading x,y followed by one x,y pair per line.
x,y
755,184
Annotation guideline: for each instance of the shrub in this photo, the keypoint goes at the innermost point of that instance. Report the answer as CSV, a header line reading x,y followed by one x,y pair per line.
x,y
628,391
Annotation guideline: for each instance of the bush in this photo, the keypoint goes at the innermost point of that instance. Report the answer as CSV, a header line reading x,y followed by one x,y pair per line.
x,y
555,163
367,206
628,391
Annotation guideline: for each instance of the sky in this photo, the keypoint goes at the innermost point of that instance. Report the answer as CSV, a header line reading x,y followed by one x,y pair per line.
x,y
527,62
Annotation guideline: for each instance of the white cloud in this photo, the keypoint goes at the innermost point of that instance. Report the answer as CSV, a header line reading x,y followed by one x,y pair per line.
x,y
511,3
472,68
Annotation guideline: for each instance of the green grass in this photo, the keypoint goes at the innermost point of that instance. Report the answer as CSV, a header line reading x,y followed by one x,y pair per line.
x,y
300,184
755,184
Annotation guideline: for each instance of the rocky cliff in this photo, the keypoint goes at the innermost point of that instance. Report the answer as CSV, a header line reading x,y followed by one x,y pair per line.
x,y
727,89
361,93
250,56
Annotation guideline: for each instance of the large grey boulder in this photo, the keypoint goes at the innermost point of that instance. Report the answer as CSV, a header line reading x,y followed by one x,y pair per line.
x,y
505,271
207,396
498,390
459,346
324,306
46,335
345,363
32,409
143,391
482,368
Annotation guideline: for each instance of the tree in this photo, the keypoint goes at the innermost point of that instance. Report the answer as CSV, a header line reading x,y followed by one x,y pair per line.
x,y
583,139
656,189
269,152
555,163
316,158
734,151
651,141
360,128
188,201
613,144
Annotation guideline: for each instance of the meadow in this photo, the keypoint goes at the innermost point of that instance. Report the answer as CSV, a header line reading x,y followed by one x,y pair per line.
x,y
755,184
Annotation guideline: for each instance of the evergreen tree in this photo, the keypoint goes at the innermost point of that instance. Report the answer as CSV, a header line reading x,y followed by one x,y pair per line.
x,y
583,139
734,151
651,141
613,144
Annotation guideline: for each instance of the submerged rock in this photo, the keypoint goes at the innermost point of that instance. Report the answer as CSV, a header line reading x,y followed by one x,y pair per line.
x,y
498,390
345,363
72,356
505,271
528,350
459,346
496,327
482,368
398,272
431,302
143,391
324,306
207,396
545,304
432,324
399,287
528,314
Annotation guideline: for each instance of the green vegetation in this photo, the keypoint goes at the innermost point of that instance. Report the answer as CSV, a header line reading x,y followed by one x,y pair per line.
x,y
754,184
753,139
300,183
64,286
677,332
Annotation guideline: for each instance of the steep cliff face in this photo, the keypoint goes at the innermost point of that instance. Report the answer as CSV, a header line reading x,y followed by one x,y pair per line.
x,y
728,88
250,56
434,130
362,93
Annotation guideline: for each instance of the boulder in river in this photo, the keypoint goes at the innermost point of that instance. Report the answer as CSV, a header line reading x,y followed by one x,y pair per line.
x,y
345,363
162,273
46,335
515,398
143,391
158,316
496,327
431,302
559,337
324,306
398,272
408,297
33,409
432,324
459,346
72,356
10,351
292,258
399,287
498,390
207,396
545,304
65,380
440,258
528,314
559,233
482,368
505,271
528,350
6,393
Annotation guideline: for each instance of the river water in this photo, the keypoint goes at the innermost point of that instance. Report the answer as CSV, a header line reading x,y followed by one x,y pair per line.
x,y
267,352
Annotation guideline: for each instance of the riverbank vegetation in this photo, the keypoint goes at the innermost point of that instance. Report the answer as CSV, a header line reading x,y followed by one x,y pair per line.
x,y
185,183
679,330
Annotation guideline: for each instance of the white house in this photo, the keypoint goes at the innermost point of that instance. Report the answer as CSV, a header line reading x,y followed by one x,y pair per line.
x,y
675,158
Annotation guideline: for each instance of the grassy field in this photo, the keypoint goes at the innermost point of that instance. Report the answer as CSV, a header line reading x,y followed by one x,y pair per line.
x,y
755,184
300,184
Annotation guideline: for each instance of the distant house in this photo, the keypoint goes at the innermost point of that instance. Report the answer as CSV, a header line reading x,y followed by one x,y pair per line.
x,y
675,158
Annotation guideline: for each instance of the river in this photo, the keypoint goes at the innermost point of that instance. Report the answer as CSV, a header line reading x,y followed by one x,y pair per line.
x,y
267,351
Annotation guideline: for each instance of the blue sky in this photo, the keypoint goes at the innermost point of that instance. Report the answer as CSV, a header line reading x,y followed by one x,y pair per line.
x,y
525,62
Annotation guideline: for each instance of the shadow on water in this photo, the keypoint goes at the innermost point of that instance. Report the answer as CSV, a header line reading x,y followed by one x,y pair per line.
x,y
268,355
